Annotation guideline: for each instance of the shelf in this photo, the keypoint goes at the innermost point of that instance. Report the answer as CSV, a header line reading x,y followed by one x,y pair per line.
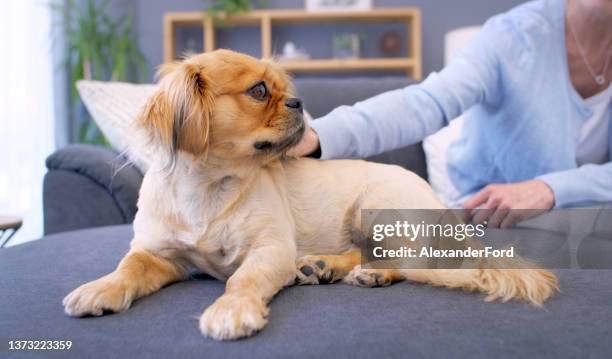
x,y
299,16
266,19
348,64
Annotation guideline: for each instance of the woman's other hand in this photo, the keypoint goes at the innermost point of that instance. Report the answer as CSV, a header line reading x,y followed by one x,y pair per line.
x,y
494,203
307,145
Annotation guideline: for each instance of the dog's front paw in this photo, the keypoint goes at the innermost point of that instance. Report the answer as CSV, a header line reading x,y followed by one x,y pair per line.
x,y
93,298
314,270
368,277
233,316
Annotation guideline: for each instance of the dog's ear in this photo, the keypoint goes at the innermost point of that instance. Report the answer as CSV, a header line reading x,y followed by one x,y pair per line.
x,y
178,115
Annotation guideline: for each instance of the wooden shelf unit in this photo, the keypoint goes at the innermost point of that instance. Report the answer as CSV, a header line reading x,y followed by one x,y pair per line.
x,y
265,19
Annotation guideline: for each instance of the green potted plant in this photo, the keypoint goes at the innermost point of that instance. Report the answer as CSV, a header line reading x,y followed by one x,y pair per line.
x,y
222,10
98,47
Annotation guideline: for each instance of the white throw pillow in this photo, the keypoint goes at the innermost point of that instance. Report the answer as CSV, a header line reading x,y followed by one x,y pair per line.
x,y
435,148
114,106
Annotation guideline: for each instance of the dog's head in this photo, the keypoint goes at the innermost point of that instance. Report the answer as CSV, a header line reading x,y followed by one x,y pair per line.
x,y
225,105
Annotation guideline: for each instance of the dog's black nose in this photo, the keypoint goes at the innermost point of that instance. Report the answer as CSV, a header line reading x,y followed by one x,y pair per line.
x,y
295,103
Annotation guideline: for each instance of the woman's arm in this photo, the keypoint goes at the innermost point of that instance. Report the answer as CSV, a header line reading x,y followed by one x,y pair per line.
x,y
587,183
402,117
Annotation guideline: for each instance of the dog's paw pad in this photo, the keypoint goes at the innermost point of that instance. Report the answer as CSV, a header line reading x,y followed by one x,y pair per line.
x,y
307,270
368,278
313,270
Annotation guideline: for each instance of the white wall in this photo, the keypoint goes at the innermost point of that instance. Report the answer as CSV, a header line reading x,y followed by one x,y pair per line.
x,y
26,111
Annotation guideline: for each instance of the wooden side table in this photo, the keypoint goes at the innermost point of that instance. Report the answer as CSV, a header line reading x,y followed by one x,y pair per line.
x,y
8,227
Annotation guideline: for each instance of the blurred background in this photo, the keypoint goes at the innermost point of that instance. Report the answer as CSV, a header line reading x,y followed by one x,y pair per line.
x,y
47,46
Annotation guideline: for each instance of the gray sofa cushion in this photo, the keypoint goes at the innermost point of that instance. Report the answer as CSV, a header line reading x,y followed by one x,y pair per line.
x,y
73,201
330,321
88,186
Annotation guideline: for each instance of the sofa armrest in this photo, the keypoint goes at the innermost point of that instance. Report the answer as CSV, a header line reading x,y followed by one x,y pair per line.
x,y
88,186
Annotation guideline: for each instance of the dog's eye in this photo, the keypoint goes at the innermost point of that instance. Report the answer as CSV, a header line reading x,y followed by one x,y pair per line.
x,y
263,145
259,91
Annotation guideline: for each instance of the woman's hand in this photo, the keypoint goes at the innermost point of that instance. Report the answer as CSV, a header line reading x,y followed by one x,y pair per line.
x,y
494,203
307,145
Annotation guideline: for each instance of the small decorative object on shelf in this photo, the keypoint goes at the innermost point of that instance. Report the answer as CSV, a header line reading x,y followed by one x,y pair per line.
x,y
338,5
390,44
292,52
346,46
190,47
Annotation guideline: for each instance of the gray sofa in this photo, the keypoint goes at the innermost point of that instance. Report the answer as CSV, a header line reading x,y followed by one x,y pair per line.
x,y
83,189
329,321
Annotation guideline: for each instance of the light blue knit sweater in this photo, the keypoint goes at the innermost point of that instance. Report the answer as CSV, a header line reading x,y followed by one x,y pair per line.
x,y
522,113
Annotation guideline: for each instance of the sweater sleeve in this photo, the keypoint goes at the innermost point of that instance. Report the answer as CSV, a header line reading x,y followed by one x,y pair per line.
x,y
402,117
587,183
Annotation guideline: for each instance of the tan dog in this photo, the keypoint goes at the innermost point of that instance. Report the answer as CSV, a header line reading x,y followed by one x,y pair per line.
x,y
220,197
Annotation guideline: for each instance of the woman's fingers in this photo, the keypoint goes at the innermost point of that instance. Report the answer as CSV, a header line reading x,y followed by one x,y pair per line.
x,y
484,204
478,199
481,215
307,145
511,219
500,215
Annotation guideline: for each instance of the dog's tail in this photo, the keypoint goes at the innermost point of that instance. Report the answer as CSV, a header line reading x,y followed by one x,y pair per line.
x,y
500,279
516,278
